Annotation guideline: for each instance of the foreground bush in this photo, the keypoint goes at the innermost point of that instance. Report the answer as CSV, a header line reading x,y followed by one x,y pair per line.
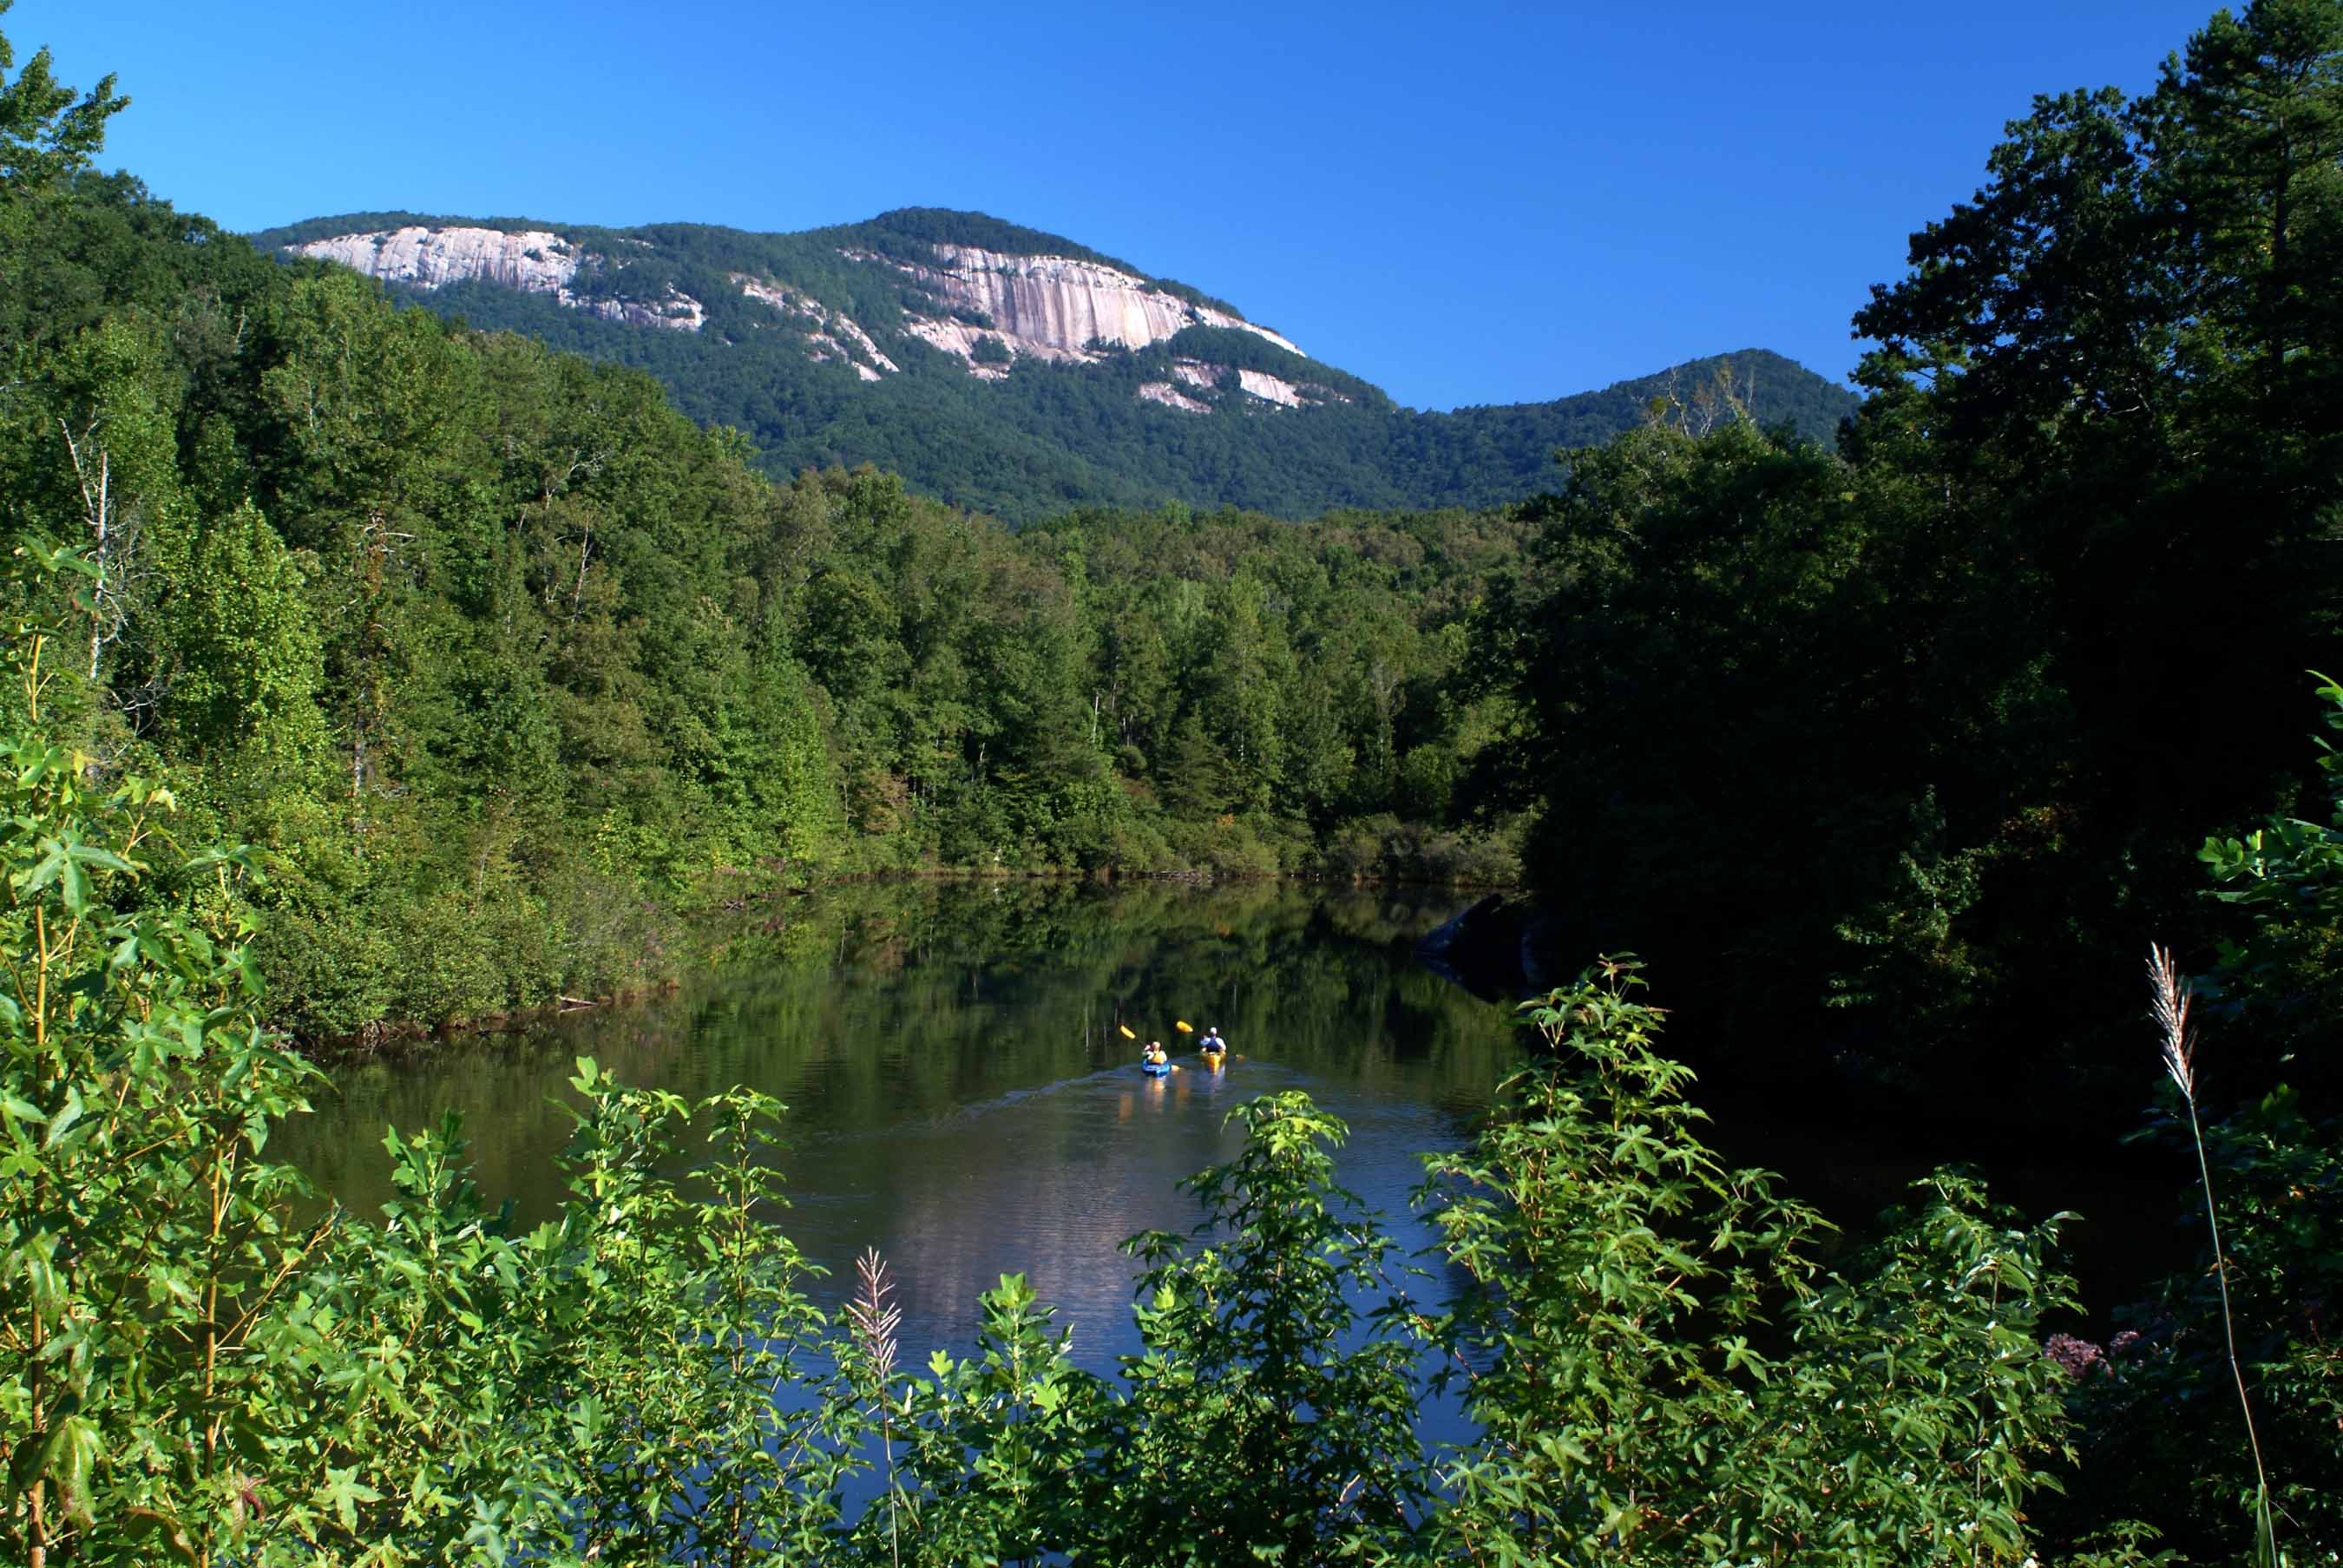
x,y
1659,1367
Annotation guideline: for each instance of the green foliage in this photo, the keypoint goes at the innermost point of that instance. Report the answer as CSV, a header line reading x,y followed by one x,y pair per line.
x,y
1047,436
1887,730
2274,1169
2286,876
682,1449
185,1371
992,1461
1050,437
493,662
1745,726
913,232
248,660
145,1248
2274,1162
1265,1421
504,669
45,132
1878,744
1659,1369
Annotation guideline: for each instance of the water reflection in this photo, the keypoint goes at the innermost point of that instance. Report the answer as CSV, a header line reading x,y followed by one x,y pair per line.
x,y
960,1093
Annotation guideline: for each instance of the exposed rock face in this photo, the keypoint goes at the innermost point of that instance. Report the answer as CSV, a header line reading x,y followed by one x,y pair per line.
x,y
673,308
1258,384
958,338
836,335
1170,396
1050,307
534,261
1269,388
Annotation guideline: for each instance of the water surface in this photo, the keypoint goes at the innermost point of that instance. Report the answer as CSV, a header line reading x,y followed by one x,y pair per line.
x,y
960,1093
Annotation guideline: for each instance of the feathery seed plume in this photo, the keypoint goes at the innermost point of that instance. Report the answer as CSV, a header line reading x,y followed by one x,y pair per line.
x,y
2170,997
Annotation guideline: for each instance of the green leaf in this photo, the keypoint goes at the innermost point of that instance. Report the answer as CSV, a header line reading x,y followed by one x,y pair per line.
x,y
30,1460
61,1122
149,1524
105,859
344,1491
43,872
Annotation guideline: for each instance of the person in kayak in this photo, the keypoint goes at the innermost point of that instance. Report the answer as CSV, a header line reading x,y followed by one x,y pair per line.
x,y
1155,1055
1212,1044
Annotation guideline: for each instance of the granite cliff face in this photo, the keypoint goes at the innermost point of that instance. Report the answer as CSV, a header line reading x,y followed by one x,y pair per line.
x,y
985,308
1052,307
534,261
1170,396
1005,368
830,335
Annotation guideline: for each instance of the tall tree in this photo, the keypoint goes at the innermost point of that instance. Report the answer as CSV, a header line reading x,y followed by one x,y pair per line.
x,y
47,133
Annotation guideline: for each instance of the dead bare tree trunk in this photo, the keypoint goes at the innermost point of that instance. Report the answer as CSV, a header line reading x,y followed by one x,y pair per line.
x,y
94,472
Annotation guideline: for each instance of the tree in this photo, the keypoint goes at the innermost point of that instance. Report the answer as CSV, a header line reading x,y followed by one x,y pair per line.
x,y
248,660
1660,1372
1886,728
148,1253
1261,1421
47,133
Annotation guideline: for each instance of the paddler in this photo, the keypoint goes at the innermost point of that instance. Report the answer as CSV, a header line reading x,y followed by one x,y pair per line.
x,y
1156,1056
1212,1044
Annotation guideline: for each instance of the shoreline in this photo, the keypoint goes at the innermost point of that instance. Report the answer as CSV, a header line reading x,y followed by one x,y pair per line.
x,y
397,1038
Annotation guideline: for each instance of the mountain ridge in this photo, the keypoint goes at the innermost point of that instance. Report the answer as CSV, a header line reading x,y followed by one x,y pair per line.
x,y
1002,367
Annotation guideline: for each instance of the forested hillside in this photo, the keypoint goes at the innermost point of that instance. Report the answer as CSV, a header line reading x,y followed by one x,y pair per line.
x,y
1930,728
1897,756
1020,425
494,657
362,665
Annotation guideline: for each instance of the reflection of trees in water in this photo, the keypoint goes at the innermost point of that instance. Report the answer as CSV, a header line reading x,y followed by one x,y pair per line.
x,y
1059,1201
872,1005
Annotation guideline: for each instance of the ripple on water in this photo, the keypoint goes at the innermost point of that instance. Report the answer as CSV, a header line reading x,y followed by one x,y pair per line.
x,y
964,1103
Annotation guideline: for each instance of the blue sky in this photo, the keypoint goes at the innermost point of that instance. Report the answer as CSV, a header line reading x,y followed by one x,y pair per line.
x,y
1465,203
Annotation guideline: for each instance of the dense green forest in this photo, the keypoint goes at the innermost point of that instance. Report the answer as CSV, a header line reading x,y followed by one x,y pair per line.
x,y
1053,435
482,646
1916,740
365,665
1894,756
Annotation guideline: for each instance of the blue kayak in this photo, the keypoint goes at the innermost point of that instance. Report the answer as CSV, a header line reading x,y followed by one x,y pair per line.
x,y
1155,1069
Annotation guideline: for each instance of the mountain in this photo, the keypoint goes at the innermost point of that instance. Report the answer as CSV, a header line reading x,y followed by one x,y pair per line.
x,y
1001,367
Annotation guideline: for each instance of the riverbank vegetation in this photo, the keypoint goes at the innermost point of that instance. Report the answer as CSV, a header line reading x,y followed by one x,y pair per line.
x,y
1666,1358
482,663
1905,749
498,661
1662,1362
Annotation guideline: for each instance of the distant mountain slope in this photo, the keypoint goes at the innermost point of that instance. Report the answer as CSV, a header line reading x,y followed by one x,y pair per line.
x,y
999,366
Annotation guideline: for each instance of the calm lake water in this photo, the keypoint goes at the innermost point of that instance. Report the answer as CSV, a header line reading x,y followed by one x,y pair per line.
x,y
959,1094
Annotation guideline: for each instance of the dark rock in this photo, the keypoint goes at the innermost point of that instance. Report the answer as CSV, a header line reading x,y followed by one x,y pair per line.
x,y
1488,948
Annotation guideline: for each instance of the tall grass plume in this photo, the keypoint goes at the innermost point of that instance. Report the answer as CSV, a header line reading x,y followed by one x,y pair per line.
x,y
872,1318
2171,996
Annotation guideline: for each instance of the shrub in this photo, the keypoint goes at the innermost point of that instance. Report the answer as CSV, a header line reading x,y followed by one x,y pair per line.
x,y
1661,1370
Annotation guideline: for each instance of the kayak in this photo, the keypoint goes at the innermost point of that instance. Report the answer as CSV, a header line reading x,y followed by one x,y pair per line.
x,y
1213,1059
1156,1069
